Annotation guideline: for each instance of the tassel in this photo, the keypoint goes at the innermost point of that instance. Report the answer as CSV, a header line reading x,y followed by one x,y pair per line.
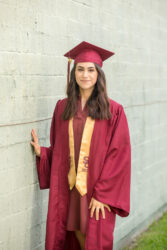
x,y
68,71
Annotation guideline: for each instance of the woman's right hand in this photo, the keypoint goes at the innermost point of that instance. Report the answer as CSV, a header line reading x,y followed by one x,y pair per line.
x,y
35,143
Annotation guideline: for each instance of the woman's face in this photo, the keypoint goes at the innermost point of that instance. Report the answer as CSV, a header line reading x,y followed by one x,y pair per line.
x,y
86,75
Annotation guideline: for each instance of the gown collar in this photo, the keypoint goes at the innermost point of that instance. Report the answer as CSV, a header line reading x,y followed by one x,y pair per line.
x,y
81,111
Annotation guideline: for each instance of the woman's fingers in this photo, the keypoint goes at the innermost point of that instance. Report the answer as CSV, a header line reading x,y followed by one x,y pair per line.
x,y
34,135
92,211
103,212
109,209
32,143
97,209
35,143
95,204
97,212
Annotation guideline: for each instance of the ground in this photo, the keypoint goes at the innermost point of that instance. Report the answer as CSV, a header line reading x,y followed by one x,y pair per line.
x,y
154,238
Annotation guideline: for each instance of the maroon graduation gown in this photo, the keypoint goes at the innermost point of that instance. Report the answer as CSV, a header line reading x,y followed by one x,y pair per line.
x,y
108,179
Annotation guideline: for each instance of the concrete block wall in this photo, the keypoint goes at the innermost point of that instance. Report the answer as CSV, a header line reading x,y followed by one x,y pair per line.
x,y
34,37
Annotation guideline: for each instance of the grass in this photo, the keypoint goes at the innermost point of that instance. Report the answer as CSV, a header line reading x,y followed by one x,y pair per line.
x,y
154,238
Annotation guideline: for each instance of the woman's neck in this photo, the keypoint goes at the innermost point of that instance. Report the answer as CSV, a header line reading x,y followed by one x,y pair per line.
x,y
85,94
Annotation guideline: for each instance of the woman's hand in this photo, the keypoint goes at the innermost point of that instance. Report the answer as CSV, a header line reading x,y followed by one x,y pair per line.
x,y
35,143
95,204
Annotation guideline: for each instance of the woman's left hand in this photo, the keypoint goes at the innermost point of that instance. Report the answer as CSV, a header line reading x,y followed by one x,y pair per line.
x,y
95,204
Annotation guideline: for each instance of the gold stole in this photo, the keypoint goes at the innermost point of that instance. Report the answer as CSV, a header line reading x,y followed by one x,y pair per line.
x,y
80,180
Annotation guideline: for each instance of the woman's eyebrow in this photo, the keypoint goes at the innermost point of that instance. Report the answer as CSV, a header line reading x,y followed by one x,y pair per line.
x,y
91,67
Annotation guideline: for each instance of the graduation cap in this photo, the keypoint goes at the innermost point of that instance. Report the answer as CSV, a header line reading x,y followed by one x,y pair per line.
x,y
87,52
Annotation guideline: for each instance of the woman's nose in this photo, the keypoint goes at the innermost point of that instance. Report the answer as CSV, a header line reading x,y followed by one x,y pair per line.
x,y
85,73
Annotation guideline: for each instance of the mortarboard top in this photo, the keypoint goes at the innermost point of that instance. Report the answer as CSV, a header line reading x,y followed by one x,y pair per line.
x,y
87,52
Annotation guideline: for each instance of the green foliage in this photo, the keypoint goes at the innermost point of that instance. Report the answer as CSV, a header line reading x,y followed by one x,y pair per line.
x,y
155,238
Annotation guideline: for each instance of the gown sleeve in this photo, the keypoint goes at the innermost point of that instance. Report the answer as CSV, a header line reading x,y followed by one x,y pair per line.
x,y
43,162
113,185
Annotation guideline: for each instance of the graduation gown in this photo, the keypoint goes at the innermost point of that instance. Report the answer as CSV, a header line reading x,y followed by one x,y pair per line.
x,y
108,180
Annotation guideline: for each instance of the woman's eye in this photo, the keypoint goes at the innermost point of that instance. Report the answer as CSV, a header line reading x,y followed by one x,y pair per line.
x,y
90,70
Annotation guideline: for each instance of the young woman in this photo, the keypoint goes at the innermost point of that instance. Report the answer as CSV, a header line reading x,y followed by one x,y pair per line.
x,y
88,164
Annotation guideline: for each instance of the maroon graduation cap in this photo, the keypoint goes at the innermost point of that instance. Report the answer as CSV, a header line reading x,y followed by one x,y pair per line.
x,y
87,52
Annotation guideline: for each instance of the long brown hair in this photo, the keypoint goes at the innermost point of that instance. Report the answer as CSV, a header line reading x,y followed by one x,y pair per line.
x,y
97,103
